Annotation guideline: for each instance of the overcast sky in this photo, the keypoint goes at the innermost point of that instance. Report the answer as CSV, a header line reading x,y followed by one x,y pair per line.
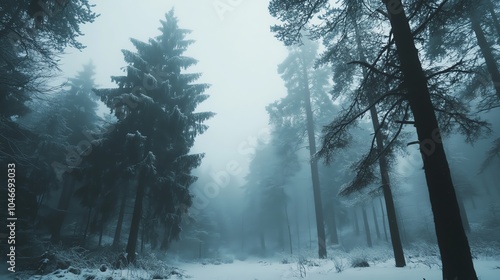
x,y
237,55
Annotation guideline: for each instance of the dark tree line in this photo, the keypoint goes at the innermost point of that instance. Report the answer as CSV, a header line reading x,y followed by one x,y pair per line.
x,y
80,171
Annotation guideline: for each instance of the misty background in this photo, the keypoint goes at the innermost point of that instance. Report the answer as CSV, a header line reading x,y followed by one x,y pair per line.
x,y
247,167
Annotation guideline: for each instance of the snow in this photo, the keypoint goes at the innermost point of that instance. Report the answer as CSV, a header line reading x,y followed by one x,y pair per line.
x,y
252,270
266,269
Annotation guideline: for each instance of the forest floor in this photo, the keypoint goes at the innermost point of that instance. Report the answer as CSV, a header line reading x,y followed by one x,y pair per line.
x,y
339,268
327,269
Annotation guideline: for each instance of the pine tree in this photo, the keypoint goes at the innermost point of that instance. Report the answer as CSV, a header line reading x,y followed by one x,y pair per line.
x,y
305,92
454,247
402,68
158,101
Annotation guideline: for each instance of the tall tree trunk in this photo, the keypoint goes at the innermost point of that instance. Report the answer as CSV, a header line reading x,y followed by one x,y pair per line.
x,y
101,230
297,229
356,222
496,22
404,236
486,51
165,242
143,235
280,236
262,243
383,221
289,230
463,213
87,225
334,236
242,234
318,206
62,207
136,218
375,221
367,227
453,244
119,223
309,224
397,247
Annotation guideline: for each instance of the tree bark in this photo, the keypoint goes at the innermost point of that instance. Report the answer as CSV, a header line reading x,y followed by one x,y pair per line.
x,y
119,223
297,229
453,244
397,246
165,242
289,230
62,207
136,218
463,213
309,224
334,237
367,227
318,207
356,222
496,22
87,225
486,51
375,221
383,220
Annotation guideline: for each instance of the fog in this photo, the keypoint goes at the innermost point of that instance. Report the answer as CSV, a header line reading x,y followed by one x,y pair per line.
x,y
315,159
237,55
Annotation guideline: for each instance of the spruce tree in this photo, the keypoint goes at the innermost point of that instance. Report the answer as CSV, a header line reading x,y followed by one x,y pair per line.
x,y
156,101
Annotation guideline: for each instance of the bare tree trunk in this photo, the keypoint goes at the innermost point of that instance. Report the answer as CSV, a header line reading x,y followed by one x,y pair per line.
x,y
334,236
453,244
297,229
356,223
309,224
165,243
119,223
318,206
463,213
289,230
367,227
375,221
404,236
62,207
281,236
496,22
397,247
136,218
143,234
383,220
486,51
87,225
242,234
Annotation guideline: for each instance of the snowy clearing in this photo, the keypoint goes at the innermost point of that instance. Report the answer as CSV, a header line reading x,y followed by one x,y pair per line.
x,y
258,269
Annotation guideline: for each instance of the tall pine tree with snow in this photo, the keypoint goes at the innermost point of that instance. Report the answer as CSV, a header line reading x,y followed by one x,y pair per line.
x,y
155,103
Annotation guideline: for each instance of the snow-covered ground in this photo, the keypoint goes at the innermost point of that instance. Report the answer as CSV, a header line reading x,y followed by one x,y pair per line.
x,y
259,269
